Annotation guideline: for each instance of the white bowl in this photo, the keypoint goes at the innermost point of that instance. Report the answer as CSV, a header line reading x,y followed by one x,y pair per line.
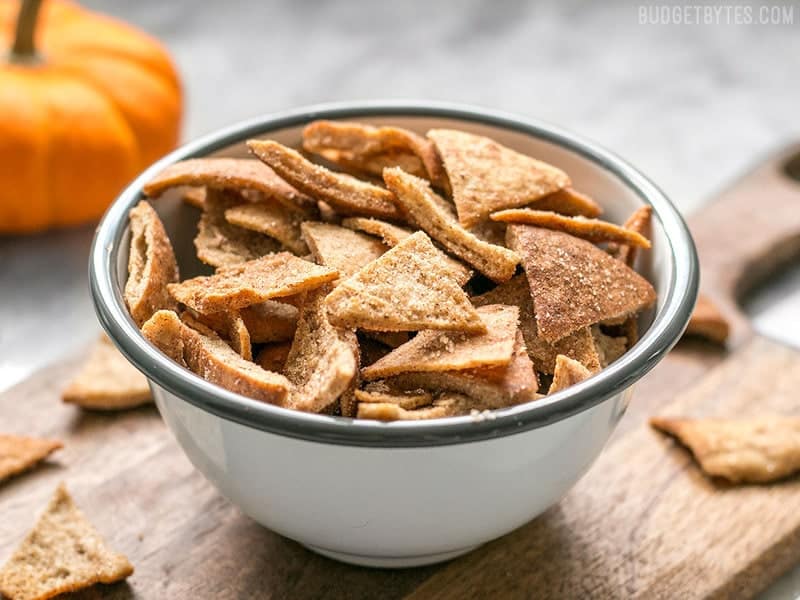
x,y
406,493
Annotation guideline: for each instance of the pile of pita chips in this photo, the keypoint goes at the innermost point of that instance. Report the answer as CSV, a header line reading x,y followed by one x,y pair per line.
x,y
62,553
403,277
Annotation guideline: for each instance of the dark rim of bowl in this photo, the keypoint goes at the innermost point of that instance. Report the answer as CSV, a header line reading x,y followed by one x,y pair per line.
x,y
677,299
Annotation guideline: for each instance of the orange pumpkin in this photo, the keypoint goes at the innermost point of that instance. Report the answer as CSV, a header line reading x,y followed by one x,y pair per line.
x,y
86,103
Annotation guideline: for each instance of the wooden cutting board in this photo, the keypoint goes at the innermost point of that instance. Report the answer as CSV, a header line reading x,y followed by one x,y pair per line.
x,y
642,523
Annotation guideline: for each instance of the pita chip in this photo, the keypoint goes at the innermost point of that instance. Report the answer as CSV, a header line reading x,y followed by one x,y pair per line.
x,y
221,244
409,288
639,222
339,248
609,348
370,149
252,282
429,212
270,321
432,350
382,394
708,322
393,235
486,177
230,174
579,345
448,405
593,230
207,355
323,359
757,450
63,553
574,283
228,325
19,453
568,372
271,219
569,202
151,265
347,195
491,387
107,381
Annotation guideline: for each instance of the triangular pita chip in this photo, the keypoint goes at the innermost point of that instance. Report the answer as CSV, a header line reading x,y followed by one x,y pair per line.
x,y
593,230
347,195
323,360
486,177
221,244
63,553
494,387
340,248
393,235
454,350
107,381
151,265
707,322
574,283
579,345
429,212
369,149
271,219
569,202
757,450
230,174
409,288
19,453
207,355
568,372
639,222
252,282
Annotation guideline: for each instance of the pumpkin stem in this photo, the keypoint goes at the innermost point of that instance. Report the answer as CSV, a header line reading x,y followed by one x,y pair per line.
x,y
24,49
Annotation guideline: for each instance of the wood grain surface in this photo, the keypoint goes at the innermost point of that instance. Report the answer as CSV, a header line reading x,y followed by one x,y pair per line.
x,y
642,523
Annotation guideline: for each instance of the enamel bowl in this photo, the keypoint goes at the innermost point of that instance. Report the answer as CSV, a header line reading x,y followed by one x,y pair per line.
x,y
406,493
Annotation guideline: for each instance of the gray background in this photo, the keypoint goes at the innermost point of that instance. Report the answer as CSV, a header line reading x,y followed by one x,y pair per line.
x,y
691,105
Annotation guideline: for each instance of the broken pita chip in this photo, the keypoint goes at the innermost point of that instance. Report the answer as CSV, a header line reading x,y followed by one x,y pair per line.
x,y
486,177
271,219
252,282
370,149
19,453
493,387
340,248
323,360
272,357
574,283
568,372
433,350
639,222
107,381
609,348
230,174
408,399
62,553
408,288
417,199
151,265
393,235
389,233
707,322
346,194
569,202
756,450
194,196
593,230
579,345
221,244
207,355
